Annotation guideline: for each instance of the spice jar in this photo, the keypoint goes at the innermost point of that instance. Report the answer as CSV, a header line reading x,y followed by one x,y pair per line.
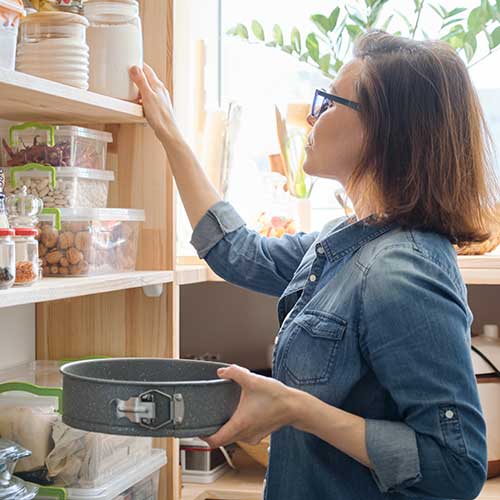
x,y
53,45
7,258
27,262
23,208
115,41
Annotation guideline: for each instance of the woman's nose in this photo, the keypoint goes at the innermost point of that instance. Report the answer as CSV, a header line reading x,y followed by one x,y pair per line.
x,y
311,120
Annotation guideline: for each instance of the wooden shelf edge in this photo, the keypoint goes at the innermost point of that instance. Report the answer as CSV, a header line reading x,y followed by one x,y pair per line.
x,y
26,97
50,289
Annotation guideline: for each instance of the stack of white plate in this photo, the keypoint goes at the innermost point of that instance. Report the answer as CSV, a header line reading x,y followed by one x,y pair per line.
x,y
59,59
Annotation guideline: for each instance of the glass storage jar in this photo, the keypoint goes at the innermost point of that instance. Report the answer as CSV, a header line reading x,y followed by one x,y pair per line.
x,y
7,258
115,41
27,262
53,45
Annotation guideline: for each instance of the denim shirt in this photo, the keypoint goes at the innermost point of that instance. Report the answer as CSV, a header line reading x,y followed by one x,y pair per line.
x,y
374,321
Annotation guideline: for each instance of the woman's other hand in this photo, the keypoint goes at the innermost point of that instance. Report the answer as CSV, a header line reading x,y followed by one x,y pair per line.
x,y
265,406
155,98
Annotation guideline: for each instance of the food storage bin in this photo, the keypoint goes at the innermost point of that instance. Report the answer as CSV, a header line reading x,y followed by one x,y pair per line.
x,y
7,258
11,12
89,241
27,262
115,41
61,187
30,396
55,145
138,483
52,45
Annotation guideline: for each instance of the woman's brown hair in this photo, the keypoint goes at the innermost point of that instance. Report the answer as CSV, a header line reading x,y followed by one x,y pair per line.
x,y
427,155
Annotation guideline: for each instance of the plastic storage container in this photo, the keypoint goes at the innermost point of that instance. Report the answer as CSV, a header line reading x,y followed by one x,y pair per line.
x,y
55,145
53,45
138,483
7,258
11,12
61,187
27,262
89,241
115,41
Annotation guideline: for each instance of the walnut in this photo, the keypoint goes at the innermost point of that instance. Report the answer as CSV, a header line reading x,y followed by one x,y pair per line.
x,y
54,257
74,256
81,268
63,271
54,270
64,262
42,250
49,237
83,241
66,240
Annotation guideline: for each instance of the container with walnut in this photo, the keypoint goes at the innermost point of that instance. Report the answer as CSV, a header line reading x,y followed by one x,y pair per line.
x,y
89,242
27,262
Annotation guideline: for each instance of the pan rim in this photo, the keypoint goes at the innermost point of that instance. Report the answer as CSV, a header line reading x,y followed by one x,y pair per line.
x,y
63,370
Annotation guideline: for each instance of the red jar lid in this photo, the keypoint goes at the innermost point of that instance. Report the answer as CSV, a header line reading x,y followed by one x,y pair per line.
x,y
4,231
26,231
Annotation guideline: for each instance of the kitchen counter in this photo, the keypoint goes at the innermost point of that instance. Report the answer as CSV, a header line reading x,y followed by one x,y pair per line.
x,y
247,484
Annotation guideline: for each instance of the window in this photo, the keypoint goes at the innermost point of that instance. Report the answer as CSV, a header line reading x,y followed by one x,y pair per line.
x,y
259,77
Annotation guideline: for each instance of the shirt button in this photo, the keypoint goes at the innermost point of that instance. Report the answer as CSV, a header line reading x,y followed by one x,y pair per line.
x,y
276,340
320,250
449,414
312,278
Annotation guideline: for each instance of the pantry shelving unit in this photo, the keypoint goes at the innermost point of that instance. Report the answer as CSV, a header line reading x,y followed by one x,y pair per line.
x,y
128,314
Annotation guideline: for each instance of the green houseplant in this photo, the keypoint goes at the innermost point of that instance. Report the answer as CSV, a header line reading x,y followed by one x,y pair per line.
x,y
328,43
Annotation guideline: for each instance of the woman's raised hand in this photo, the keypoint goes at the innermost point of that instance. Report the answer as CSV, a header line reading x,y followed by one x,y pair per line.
x,y
155,98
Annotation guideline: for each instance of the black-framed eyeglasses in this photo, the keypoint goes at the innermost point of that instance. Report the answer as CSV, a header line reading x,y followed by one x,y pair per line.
x,y
322,101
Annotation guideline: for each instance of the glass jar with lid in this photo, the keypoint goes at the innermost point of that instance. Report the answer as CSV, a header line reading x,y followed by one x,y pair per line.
x,y
115,41
7,258
23,209
27,261
52,45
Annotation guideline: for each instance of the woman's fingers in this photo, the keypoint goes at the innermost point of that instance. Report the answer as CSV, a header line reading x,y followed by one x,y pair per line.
x,y
152,77
227,434
139,78
234,372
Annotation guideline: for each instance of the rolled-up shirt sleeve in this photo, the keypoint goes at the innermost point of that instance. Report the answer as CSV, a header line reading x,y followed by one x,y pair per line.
x,y
416,338
245,258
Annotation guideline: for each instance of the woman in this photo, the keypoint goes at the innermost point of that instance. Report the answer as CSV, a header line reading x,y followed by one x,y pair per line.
x,y
374,395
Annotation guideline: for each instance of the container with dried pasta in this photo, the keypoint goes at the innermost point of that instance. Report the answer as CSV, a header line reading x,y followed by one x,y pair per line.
x,y
88,242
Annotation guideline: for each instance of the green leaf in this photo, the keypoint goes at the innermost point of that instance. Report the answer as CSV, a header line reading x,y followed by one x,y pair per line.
x,y
385,26
321,22
271,44
258,30
358,20
334,17
353,30
324,63
438,11
304,57
241,31
278,35
477,19
455,12
452,21
470,45
231,32
495,37
409,25
296,40
313,47
287,48
338,64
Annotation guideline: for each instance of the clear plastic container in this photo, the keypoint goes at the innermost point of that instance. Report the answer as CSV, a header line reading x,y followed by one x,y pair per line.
x,y
138,483
115,40
89,241
27,262
52,45
7,258
11,11
55,145
61,187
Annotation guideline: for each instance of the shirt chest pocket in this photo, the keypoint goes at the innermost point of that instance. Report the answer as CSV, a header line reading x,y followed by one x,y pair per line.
x,y
311,346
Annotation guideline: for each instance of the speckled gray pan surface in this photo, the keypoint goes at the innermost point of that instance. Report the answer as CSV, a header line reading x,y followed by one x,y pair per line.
x,y
147,397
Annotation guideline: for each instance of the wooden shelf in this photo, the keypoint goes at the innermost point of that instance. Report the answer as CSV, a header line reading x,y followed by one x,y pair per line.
x,y
246,483
189,274
480,269
50,289
28,98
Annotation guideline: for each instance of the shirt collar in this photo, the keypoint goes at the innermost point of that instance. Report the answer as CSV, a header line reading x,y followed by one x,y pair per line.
x,y
349,237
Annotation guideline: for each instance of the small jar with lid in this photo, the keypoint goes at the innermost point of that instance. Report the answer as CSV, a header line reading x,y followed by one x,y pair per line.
x,y
53,45
27,261
7,258
115,41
